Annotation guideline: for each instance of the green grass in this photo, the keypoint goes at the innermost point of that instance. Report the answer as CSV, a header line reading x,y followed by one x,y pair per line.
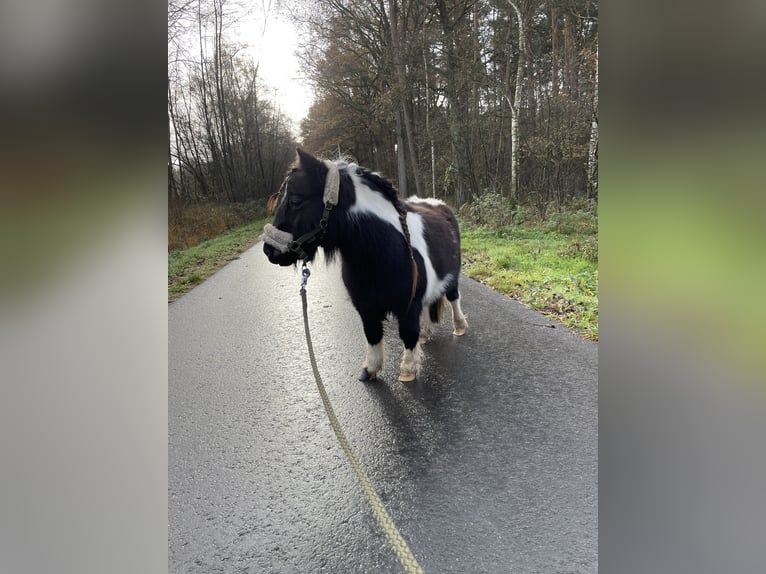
x,y
189,267
555,273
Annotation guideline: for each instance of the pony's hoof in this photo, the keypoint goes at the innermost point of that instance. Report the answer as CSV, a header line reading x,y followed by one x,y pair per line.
x,y
423,340
459,332
406,377
367,376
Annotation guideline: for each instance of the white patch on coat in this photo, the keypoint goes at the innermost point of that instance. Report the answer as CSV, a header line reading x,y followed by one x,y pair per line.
x,y
371,202
434,287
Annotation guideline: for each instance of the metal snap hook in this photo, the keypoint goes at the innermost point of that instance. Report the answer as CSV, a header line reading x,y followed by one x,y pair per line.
x,y
305,272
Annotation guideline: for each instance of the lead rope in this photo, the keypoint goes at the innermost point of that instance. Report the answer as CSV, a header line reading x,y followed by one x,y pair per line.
x,y
394,537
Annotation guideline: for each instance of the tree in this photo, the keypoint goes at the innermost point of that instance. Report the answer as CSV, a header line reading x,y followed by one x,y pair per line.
x,y
593,147
516,102
396,50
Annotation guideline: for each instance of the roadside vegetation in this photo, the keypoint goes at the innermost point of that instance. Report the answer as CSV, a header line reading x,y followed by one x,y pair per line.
x,y
549,263
203,238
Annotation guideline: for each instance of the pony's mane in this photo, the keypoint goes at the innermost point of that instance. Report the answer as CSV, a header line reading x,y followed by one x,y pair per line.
x,y
380,184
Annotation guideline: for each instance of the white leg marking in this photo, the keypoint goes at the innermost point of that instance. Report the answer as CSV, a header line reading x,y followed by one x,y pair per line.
x,y
374,360
458,319
410,365
426,327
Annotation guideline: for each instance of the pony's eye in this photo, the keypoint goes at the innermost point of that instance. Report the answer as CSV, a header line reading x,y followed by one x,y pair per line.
x,y
294,201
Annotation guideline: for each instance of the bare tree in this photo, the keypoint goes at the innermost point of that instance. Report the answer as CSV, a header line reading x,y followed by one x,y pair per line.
x,y
226,141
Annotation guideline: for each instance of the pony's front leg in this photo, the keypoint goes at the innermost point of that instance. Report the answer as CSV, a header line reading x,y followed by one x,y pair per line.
x,y
458,318
373,362
409,331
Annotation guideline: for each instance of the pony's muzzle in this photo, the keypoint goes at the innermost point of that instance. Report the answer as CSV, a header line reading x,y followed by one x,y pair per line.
x,y
276,245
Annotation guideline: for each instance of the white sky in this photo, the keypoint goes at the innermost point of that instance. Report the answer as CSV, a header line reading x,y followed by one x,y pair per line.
x,y
278,65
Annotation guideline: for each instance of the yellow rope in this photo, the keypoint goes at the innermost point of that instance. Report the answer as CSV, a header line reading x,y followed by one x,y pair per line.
x,y
403,552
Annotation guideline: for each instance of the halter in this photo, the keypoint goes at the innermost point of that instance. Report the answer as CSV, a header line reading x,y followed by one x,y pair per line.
x,y
284,241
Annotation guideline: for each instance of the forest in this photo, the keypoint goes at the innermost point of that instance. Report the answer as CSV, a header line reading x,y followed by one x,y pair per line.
x,y
477,102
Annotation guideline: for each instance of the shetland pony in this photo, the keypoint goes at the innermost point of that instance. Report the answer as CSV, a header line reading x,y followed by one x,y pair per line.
x,y
398,257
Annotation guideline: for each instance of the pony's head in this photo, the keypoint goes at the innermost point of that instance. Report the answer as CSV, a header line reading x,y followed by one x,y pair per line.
x,y
302,205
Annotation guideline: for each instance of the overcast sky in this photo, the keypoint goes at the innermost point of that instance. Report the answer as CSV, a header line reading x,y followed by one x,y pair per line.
x,y
278,64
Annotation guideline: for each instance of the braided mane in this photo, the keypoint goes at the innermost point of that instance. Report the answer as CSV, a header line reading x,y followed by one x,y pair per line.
x,y
381,184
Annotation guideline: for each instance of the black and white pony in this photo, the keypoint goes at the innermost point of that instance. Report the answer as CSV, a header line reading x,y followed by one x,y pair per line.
x,y
398,257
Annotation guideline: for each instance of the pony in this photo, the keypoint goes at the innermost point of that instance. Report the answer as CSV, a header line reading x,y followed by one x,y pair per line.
x,y
398,257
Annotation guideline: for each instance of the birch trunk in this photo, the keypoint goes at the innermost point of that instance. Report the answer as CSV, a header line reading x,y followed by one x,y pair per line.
x,y
516,103
593,146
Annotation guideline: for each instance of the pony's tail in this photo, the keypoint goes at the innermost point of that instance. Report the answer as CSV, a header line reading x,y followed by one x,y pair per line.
x,y
436,310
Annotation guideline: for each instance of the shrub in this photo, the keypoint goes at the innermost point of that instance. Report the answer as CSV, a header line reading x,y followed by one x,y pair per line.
x,y
585,248
573,222
523,214
491,209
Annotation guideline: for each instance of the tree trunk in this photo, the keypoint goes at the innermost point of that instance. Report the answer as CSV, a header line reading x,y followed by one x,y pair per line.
x,y
428,129
554,51
516,103
593,145
401,163
214,160
465,180
403,91
570,56
224,134
173,194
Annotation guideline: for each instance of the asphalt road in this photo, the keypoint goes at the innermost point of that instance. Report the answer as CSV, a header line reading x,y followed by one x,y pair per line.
x,y
487,463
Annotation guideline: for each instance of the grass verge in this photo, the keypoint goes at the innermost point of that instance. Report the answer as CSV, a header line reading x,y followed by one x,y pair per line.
x,y
555,273
189,267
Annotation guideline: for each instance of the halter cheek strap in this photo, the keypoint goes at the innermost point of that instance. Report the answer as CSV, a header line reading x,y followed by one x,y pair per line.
x,y
315,235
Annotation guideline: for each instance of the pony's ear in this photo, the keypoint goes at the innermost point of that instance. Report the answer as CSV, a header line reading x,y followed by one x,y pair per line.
x,y
306,161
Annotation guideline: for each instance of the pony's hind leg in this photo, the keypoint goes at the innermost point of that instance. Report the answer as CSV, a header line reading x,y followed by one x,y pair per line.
x,y
426,327
409,331
430,315
373,362
459,322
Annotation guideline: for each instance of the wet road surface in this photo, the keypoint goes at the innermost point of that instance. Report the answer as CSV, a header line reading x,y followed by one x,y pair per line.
x,y
487,463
